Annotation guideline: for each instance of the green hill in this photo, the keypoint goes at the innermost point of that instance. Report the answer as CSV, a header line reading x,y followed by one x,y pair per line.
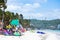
x,y
45,24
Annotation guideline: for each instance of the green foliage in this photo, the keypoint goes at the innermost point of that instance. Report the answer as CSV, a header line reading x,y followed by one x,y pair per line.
x,y
45,24
1,1
21,16
0,14
8,16
25,23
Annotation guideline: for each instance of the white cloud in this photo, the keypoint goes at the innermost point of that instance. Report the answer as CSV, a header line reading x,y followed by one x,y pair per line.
x,y
27,9
33,16
56,10
52,14
14,5
34,5
23,8
30,7
45,0
40,1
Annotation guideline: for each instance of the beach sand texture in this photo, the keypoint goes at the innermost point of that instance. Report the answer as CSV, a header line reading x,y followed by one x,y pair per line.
x,y
31,36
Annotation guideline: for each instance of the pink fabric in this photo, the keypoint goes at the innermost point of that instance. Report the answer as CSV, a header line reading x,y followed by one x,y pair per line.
x,y
5,31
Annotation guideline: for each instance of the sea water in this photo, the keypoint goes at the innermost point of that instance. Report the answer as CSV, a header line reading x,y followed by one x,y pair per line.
x,y
57,32
54,33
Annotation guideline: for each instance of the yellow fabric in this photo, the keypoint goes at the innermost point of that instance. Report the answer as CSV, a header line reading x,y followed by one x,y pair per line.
x,y
9,26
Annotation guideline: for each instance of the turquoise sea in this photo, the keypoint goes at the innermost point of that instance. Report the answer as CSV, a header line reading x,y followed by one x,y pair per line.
x,y
52,31
57,32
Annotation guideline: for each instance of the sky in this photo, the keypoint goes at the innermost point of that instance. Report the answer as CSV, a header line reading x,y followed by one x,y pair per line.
x,y
35,9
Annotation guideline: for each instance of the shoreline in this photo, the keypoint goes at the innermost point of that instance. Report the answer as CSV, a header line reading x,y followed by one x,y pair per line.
x,y
28,36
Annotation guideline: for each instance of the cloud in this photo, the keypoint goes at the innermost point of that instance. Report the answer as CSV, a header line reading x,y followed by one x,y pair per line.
x,y
23,8
13,5
33,16
52,14
25,1
30,7
40,1
27,9
56,10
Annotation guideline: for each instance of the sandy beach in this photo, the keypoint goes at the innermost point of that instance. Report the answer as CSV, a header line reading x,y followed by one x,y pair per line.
x,y
32,36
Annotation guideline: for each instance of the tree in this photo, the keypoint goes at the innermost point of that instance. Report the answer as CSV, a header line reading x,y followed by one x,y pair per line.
x,y
26,23
7,16
0,14
3,5
17,16
1,1
21,16
12,15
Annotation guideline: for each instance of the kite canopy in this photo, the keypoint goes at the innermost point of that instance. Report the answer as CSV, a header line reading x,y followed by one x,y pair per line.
x,y
14,22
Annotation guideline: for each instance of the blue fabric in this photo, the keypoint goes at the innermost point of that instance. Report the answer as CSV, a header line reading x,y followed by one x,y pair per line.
x,y
40,32
19,26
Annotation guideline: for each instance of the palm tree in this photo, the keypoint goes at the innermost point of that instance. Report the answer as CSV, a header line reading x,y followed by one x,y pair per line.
x,y
3,5
0,14
21,16
17,16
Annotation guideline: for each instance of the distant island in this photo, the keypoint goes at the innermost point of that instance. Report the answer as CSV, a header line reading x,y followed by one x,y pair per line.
x,y
45,24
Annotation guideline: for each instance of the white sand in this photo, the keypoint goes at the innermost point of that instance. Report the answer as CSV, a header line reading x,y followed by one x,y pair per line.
x,y
31,36
52,36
